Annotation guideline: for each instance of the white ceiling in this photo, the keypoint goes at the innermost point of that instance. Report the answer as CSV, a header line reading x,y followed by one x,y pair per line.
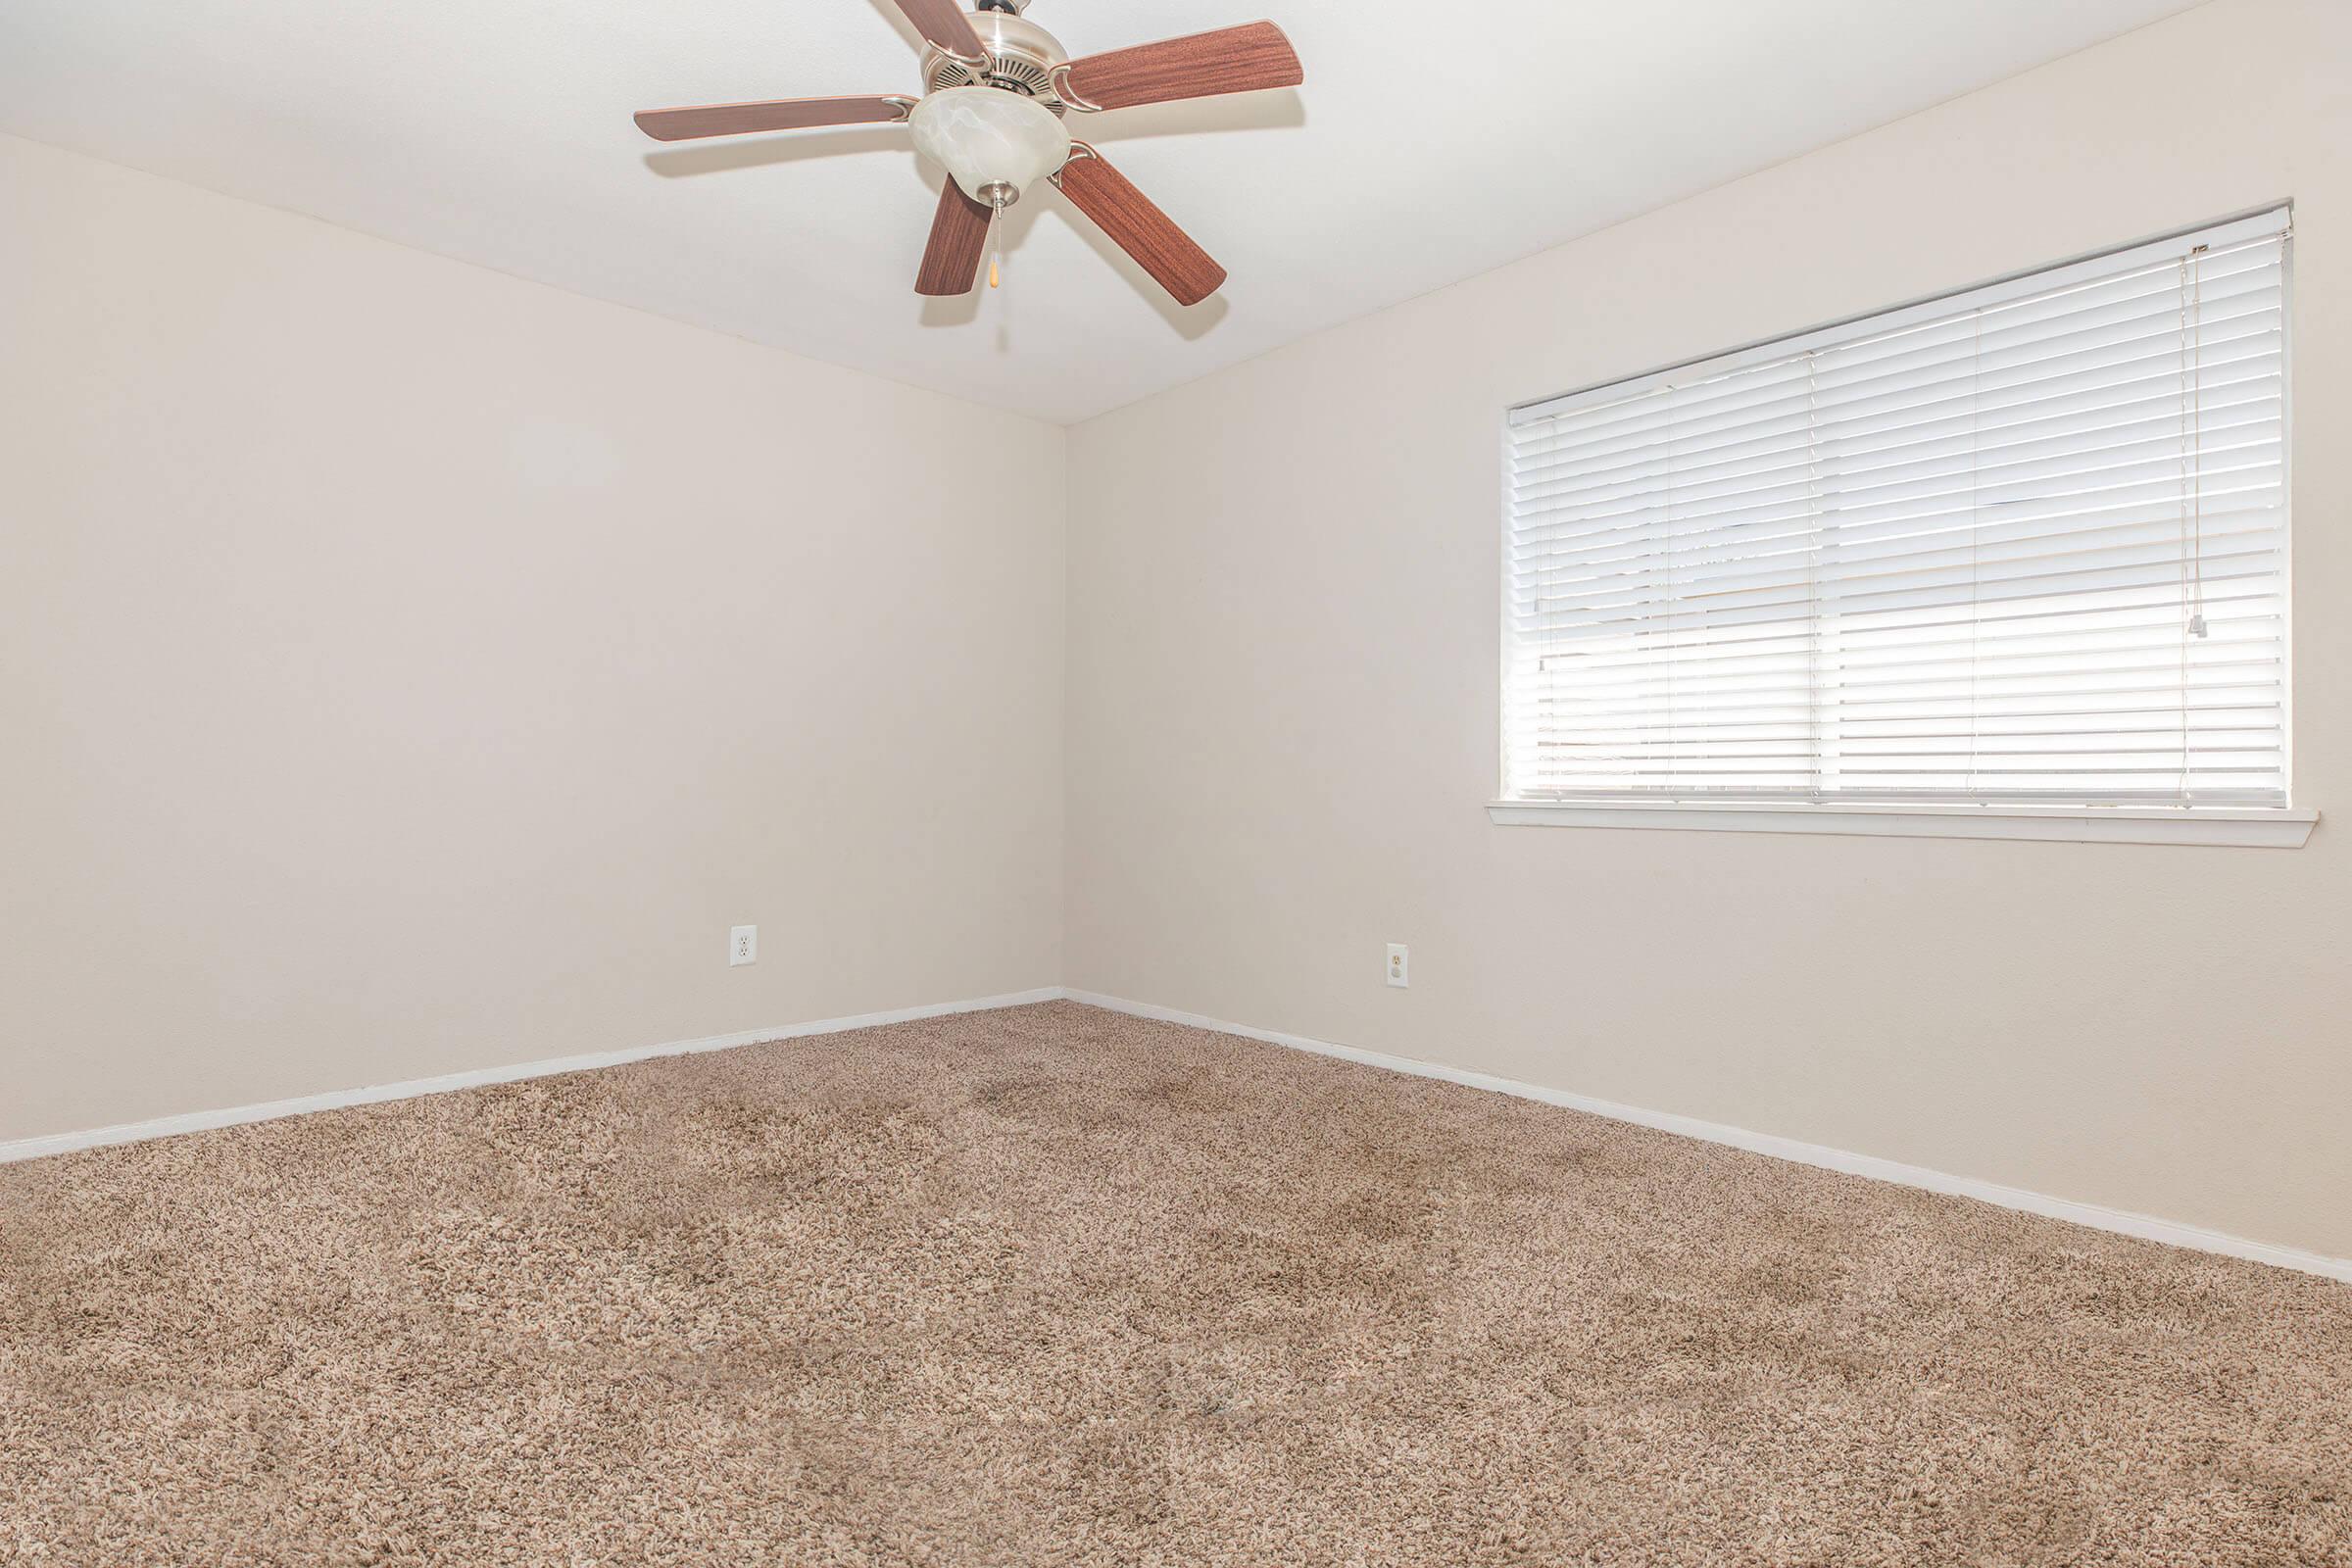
x,y
1434,139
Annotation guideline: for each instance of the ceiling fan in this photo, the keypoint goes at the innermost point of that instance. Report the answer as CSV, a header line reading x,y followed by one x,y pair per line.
x,y
996,89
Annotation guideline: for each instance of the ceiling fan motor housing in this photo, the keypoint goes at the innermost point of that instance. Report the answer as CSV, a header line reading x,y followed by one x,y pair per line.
x,y
1022,58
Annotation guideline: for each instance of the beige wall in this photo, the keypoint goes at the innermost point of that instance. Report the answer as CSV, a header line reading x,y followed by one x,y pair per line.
x,y
1283,697
405,668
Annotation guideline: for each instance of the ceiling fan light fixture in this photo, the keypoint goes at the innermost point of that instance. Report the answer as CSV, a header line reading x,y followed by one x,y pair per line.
x,y
992,143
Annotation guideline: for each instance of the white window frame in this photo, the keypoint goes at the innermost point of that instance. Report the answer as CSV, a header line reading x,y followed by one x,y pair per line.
x,y
2263,826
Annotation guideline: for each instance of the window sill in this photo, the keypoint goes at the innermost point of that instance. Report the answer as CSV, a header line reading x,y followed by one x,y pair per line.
x,y
2245,827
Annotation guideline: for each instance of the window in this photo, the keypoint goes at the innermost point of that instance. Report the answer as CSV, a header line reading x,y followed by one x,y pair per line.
x,y
2023,545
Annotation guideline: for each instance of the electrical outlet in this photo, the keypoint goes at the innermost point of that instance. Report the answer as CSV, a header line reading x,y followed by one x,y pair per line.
x,y
1398,974
743,946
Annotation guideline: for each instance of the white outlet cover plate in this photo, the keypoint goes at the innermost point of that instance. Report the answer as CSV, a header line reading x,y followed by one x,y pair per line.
x,y
1399,969
743,945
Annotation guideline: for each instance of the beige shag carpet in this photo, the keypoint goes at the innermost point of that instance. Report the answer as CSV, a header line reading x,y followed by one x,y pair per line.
x,y
1055,1287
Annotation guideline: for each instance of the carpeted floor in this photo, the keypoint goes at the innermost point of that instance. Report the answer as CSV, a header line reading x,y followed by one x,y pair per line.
x,y
1053,1286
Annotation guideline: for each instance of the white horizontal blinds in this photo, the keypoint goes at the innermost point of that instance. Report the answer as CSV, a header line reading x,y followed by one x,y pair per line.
x,y
2028,544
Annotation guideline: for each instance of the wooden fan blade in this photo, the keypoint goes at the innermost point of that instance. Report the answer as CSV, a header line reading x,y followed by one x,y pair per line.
x,y
1141,229
1244,59
959,240
777,114
941,22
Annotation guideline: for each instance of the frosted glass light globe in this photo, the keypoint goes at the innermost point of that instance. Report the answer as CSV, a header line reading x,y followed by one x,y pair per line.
x,y
985,136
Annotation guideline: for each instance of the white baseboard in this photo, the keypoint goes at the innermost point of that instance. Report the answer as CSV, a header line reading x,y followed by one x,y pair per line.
x,y
204,1120
2146,1226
